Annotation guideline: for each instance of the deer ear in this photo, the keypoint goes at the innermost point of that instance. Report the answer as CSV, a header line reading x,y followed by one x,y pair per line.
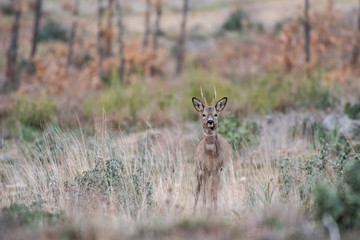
x,y
198,105
220,105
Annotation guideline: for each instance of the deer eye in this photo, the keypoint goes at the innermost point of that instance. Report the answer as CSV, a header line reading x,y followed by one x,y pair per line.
x,y
215,114
204,115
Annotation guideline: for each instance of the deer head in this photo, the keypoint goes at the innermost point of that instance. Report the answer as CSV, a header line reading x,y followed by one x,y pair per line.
x,y
209,114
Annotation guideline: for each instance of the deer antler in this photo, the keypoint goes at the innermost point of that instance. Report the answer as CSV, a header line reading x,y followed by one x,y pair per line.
x,y
202,95
214,99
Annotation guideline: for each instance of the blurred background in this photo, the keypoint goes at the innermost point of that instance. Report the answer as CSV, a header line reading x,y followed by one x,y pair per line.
x,y
144,60
96,117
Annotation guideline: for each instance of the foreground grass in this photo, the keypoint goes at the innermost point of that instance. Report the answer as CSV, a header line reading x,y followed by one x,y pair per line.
x,y
105,185
136,180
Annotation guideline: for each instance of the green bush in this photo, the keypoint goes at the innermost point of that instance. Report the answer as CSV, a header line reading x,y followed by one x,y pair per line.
x,y
129,182
33,112
299,176
265,93
109,100
237,21
342,201
47,148
53,31
313,92
119,98
238,132
302,175
353,111
165,100
316,133
273,91
28,134
19,215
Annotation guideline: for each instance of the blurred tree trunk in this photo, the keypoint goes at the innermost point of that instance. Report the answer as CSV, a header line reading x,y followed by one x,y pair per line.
x,y
307,28
120,26
182,39
100,37
109,34
73,32
147,23
157,24
38,13
356,50
11,78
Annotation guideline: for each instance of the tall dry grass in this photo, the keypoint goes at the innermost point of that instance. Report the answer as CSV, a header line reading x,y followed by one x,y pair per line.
x,y
46,174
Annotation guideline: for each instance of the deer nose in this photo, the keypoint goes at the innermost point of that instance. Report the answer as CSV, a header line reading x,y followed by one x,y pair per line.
x,y
210,121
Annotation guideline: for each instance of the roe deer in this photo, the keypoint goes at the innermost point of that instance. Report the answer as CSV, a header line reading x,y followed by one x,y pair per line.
x,y
212,151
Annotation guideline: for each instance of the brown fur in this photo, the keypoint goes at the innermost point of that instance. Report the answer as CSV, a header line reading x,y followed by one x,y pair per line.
x,y
212,152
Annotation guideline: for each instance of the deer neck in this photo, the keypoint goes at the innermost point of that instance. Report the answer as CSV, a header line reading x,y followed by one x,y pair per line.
x,y
208,133
211,138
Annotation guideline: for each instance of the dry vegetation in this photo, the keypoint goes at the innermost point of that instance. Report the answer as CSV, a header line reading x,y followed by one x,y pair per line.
x,y
90,151
147,178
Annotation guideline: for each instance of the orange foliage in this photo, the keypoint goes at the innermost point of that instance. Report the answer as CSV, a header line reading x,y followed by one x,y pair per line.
x,y
331,44
52,73
332,41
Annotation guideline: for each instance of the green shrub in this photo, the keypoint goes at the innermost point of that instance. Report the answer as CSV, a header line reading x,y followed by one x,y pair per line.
x,y
122,176
265,93
342,201
272,91
339,146
299,176
119,98
129,181
302,175
19,215
165,100
237,21
109,100
53,31
353,111
28,134
238,132
33,112
312,92
47,148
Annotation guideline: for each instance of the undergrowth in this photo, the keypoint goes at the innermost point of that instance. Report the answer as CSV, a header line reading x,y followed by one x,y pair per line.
x,y
239,132
128,182
20,215
326,182
33,112
102,166
274,92
53,31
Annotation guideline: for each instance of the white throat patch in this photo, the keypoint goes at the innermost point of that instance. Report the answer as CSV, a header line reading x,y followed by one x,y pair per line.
x,y
209,135
209,147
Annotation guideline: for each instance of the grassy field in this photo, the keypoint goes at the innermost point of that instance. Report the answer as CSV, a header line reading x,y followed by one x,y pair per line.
x,y
145,180
103,184
85,155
